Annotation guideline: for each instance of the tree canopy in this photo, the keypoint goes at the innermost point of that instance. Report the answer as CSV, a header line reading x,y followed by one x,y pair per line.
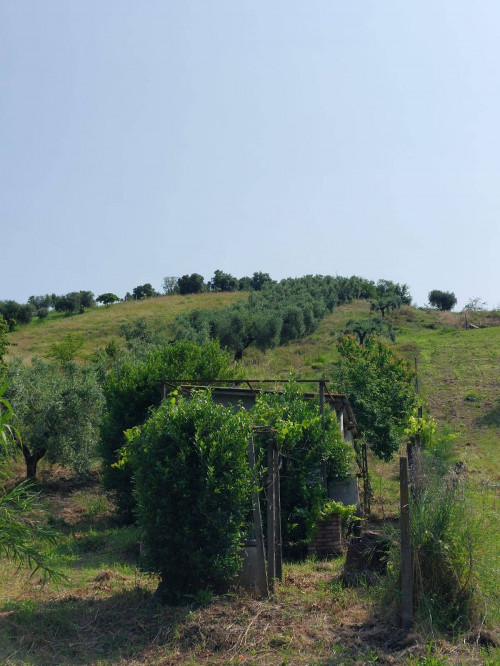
x,y
363,329
191,284
143,291
57,413
108,298
379,385
74,301
15,313
223,282
442,300
21,534
169,285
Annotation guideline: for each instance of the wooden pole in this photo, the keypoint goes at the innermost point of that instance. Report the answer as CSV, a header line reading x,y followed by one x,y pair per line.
x,y
406,573
366,480
259,537
324,474
277,514
271,516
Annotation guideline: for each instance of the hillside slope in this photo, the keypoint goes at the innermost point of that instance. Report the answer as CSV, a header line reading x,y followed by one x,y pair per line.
x,y
458,369
100,324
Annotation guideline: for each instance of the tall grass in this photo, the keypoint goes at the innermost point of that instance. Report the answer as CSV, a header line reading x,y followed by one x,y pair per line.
x,y
453,579
445,534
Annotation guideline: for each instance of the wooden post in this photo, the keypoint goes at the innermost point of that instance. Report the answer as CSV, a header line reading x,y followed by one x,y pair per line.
x,y
322,402
366,480
406,572
324,474
277,519
271,516
261,583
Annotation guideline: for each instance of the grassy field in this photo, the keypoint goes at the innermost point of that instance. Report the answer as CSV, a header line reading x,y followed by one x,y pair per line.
x,y
459,372
106,614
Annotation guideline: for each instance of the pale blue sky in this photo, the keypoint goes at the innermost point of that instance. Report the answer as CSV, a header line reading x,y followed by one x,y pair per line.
x,y
153,138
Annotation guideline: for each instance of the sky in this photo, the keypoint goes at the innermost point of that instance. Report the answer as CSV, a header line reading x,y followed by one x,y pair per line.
x,y
158,138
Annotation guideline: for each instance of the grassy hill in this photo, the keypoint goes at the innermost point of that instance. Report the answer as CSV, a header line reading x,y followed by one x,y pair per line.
x,y
102,323
459,378
105,613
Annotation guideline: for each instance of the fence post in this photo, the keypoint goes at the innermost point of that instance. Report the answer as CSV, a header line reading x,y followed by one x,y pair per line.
x,y
271,516
257,521
366,481
324,475
277,513
406,572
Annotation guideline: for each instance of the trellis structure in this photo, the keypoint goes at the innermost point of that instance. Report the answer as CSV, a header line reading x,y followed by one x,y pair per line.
x,y
234,393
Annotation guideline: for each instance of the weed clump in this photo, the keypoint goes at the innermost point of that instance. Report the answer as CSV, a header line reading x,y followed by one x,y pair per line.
x,y
447,532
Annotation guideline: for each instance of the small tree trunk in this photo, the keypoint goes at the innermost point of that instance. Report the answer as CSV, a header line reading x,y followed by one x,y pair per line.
x,y
31,460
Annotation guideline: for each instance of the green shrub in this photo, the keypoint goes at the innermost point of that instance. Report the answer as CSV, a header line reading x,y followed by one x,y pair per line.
x,y
330,508
192,484
133,387
380,387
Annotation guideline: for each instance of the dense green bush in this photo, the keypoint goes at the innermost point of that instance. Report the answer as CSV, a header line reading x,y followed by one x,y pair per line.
x,y
193,488
379,385
133,386
308,445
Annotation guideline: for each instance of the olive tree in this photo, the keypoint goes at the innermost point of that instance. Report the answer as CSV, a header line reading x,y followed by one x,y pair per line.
x,y
16,313
363,329
108,298
20,533
57,413
442,300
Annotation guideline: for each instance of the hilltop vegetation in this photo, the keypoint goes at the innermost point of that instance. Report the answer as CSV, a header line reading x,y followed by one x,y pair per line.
x,y
458,368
